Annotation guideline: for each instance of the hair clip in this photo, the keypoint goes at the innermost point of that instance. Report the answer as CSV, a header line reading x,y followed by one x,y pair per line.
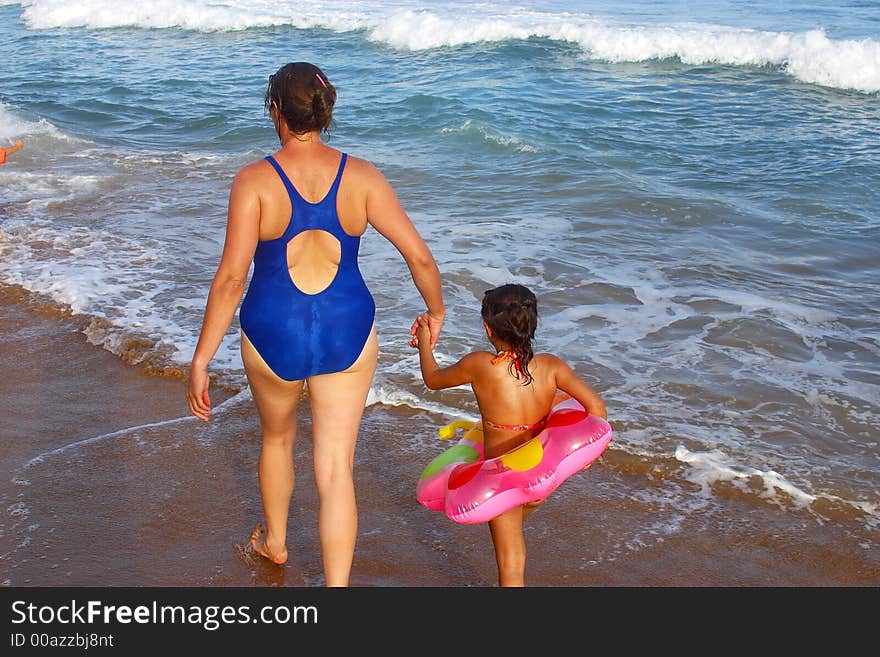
x,y
317,75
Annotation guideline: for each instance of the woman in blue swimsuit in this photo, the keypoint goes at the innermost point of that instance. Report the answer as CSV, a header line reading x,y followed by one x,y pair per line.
x,y
307,317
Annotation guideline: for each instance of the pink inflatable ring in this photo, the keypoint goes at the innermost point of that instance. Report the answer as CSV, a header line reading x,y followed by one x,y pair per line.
x,y
471,490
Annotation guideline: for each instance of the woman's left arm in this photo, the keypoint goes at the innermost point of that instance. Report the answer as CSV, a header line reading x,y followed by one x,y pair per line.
x,y
387,216
227,288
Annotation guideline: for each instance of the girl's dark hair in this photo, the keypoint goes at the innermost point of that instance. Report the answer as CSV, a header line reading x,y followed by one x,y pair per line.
x,y
302,95
511,311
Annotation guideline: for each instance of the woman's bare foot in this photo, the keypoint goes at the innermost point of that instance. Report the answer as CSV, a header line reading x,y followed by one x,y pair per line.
x,y
258,543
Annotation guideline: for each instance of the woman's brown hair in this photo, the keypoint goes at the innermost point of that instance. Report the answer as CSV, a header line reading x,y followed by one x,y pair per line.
x,y
303,96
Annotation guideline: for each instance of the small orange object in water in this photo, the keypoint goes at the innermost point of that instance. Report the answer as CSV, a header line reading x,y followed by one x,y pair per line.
x,y
8,151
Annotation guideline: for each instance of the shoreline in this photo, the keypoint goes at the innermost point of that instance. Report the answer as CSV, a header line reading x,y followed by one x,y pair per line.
x,y
173,500
64,391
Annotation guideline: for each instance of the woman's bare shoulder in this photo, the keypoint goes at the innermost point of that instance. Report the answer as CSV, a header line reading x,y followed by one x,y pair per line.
x,y
363,169
253,172
360,163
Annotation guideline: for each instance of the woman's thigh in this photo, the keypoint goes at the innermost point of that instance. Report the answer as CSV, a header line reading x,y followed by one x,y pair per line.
x,y
276,398
337,402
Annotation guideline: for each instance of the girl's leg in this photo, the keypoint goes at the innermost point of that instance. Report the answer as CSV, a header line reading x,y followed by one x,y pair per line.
x,y
510,547
276,401
337,402
531,507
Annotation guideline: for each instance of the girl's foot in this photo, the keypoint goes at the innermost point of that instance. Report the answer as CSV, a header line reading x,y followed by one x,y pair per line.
x,y
258,543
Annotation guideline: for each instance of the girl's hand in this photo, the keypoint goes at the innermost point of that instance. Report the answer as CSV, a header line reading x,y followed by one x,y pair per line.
x,y
197,393
433,323
423,332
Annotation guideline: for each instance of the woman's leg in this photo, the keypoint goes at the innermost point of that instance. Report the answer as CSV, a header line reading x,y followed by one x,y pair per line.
x,y
510,547
337,402
276,401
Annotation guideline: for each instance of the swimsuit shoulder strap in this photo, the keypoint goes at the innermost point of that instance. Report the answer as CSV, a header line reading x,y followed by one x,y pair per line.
x,y
334,188
291,190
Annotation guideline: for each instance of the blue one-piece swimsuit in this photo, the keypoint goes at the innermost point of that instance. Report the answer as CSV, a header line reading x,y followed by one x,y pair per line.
x,y
297,334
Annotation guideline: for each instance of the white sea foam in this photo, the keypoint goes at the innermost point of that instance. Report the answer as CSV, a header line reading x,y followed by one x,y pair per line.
x,y
15,126
809,56
663,302
393,396
491,136
45,14
713,466
501,275
91,273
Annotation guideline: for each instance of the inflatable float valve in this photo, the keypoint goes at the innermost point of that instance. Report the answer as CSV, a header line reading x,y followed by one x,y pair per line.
x,y
449,430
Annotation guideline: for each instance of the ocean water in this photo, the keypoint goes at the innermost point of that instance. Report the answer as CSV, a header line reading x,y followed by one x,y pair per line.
x,y
692,192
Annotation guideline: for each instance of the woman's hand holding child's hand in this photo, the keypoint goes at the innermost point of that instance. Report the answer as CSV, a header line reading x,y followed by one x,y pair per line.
x,y
426,328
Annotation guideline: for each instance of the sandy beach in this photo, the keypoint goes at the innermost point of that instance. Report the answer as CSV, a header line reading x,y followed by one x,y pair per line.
x,y
108,483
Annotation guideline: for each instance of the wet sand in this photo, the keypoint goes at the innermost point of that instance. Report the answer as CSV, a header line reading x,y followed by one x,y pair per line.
x,y
59,389
91,501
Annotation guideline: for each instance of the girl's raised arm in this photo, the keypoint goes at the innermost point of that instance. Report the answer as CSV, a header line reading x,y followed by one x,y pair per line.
x,y
436,377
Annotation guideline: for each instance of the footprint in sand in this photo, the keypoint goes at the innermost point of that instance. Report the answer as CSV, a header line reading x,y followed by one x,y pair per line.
x,y
246,553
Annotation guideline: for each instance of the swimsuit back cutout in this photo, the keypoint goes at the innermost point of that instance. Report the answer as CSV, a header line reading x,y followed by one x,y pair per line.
x,y
299,334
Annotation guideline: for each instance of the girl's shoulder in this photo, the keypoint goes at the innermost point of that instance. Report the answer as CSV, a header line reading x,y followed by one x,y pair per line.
x,y
480,357
476,360
550,361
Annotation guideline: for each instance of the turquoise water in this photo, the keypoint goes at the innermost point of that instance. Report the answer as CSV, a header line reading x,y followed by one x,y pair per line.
x,y
693,194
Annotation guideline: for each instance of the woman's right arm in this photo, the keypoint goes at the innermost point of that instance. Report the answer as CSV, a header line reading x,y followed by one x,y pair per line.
x,y
386,215
227,288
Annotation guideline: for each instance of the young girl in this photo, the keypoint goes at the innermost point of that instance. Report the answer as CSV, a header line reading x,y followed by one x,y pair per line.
x,y
515,389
